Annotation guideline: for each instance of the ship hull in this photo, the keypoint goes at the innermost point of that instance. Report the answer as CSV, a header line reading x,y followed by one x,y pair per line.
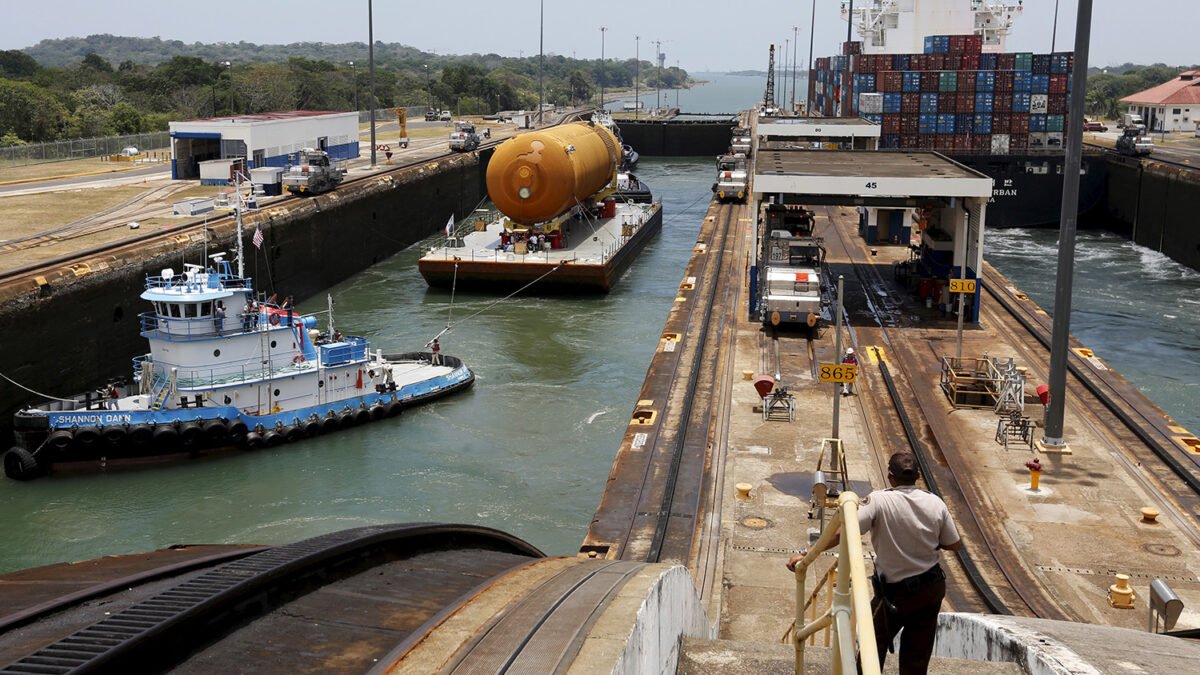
x,y
1027,189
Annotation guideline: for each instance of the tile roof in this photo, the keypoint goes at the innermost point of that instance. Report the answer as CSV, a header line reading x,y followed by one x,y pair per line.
x,y
1184,89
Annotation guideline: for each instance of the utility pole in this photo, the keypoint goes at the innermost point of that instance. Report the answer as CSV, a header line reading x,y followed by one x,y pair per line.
x,y
354,77
808,80
1059,339
637,74
541,53
847,85
787,43
229,66
602,31
795,42
658,59
371,70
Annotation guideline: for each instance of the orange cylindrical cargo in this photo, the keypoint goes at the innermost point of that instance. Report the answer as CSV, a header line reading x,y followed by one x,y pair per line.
x,y
539,175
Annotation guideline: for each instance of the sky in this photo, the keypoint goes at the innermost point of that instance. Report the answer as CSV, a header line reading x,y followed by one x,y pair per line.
x,y
701,35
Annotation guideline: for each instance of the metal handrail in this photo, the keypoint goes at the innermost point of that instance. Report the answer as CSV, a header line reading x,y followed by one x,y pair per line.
x,y
849,598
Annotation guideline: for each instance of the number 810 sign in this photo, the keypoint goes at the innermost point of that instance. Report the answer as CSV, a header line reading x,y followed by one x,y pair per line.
x,y
837,372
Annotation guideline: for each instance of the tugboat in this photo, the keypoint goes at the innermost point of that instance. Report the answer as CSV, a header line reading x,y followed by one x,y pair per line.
x,y
226,371
566,217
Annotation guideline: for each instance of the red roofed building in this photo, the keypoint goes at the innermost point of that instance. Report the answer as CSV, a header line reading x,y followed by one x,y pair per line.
x,y
1171,106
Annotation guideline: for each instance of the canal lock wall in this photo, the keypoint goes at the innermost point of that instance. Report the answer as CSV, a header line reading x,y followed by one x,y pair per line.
x,y
79,326
1156,205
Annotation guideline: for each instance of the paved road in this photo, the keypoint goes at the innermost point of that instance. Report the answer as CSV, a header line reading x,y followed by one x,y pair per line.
x,y
116,178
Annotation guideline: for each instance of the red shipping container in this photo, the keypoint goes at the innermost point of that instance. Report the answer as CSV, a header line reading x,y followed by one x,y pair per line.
x,y
863,63
964,102
910,124
974,43
970,62
893,81
1006,61
1058,84
891,123
910,103
1056,104
1018,141
959,142
1002,103
981,141
1019,124
1004,79
909,141
930,80
966,80
936,61
927,141
954,61
1001,123
958,44
946,103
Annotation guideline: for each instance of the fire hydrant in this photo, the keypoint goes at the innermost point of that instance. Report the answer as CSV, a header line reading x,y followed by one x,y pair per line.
x,y
1035,473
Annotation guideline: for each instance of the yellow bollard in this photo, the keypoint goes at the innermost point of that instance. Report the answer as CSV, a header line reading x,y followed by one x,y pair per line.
x,y
1120,594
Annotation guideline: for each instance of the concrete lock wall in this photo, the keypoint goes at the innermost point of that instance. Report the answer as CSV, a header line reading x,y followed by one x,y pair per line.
x,y
81,327
1158,206
679,138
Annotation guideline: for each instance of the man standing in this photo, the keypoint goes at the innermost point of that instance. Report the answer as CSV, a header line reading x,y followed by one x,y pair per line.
x,y
219,318
908,526
851,360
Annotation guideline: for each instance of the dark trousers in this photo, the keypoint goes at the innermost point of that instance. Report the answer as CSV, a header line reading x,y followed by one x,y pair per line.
x,y
916,610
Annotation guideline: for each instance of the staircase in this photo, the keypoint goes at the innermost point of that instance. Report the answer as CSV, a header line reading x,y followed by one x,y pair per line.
x,y
159,392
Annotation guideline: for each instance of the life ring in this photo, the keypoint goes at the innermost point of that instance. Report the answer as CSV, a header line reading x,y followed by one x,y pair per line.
x,y
20,464
274,319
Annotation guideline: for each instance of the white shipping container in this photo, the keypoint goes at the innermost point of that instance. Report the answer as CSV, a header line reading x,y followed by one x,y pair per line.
x,y
192,207
215,171
1038,103
1000,144
266,175
870,103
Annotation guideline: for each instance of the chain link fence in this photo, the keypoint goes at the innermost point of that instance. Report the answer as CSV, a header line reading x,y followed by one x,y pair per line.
x,y
82,148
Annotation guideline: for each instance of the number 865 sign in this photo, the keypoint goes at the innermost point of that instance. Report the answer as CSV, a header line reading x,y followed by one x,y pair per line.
x,y
837,372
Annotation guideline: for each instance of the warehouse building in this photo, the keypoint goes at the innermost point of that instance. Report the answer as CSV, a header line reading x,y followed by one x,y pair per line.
x,y
1171,106
263,140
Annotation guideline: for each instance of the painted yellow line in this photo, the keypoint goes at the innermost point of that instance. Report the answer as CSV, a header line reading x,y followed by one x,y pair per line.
x,y
875,354
69,175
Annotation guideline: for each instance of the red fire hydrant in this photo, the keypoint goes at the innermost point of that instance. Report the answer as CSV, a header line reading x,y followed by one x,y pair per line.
x,y
1035,473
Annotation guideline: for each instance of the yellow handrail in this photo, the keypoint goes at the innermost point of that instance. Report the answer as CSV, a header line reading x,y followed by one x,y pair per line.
x,y
849,599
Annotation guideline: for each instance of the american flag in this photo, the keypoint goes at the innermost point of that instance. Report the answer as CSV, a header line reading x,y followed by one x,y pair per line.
x,y
257,240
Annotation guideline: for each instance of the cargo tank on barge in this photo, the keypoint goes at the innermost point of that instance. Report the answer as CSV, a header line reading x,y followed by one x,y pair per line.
x,y
947,84
565,217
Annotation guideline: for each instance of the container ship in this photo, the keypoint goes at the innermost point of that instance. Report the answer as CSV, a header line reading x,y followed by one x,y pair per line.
x,y
934,75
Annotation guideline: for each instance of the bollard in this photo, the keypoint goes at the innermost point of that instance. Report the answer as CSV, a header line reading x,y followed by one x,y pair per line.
x,y
743,490
1120,594
1035,473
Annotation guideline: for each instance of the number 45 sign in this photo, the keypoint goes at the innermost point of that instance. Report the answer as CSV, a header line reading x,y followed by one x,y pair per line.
x,y
837,372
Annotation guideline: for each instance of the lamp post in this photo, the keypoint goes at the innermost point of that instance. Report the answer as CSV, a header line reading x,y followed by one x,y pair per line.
x,y
541,54
637,74
371,70
795,41
354,77
602,31
808,80
229,67
658,85
428,93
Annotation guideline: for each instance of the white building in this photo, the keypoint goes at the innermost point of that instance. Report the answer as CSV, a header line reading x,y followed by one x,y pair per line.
x,y
264,140
1171,106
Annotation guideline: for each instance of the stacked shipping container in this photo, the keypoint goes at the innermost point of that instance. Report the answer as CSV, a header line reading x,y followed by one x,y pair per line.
x,y
952,97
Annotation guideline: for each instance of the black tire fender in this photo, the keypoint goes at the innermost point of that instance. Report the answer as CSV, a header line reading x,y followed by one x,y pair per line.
x,y
20,464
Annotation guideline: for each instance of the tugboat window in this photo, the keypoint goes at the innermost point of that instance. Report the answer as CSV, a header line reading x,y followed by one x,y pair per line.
x,y
205,308
175,310
189,311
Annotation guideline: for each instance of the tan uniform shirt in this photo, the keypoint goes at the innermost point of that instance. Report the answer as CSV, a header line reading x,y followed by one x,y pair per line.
x,y
907,525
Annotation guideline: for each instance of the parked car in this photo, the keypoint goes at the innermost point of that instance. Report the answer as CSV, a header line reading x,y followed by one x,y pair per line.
x,y
1094,126
431,115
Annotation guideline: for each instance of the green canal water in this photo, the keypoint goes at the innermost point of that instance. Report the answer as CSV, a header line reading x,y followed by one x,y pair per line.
x,y
526,450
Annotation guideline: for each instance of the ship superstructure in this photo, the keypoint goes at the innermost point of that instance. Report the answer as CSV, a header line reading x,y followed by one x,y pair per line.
x,y
898,26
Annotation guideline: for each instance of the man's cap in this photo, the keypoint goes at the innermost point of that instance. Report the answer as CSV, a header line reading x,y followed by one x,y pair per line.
x,y
903,466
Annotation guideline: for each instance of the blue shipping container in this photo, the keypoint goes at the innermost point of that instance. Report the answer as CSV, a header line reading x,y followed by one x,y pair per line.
x,y
1037,122
927,123
901,61
911,82
983,123
963,122
866,82
929,102
988,61
1040,84
945,123
985,80
1023,80
891,102
984,102
889,141
1021,101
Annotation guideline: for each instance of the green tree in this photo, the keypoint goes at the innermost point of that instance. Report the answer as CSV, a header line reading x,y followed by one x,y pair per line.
x,y
579,86
93,62
29,112
125,119
15,64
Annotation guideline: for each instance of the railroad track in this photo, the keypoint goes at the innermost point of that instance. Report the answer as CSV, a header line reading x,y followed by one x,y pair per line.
x,y
997,582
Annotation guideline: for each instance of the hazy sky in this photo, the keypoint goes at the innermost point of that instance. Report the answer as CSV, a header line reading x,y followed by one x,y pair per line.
x,y
701,35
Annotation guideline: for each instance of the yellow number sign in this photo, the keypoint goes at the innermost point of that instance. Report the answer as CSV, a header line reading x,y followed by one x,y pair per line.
x,y
837,372
962,285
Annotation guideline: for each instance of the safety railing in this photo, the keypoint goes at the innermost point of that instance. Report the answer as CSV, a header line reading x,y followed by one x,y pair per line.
x,y
850,608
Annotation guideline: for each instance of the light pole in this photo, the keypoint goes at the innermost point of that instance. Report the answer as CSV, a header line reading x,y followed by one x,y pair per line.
x,y
602,31
354,76
795,41
229,67
371,70
808,79
658,85
787,43
541,54
428,93
637,74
